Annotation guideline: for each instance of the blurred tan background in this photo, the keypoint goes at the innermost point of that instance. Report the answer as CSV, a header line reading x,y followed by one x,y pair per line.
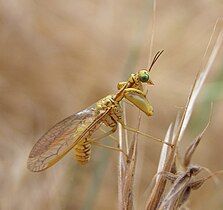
x,y
58,57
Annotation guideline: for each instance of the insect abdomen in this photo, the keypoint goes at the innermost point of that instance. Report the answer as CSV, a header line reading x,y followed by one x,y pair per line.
x,y
83,151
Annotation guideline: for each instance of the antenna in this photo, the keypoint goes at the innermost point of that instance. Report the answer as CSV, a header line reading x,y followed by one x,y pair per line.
x,y
158,54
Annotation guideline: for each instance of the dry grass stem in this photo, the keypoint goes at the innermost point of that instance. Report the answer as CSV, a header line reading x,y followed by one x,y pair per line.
x,y
199,81
159,187
192,147
164,151
127,169
129,177
121,169
179,190
125,131
152,34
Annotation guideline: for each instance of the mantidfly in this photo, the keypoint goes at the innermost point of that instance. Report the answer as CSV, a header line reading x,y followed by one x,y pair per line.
x,y
75,132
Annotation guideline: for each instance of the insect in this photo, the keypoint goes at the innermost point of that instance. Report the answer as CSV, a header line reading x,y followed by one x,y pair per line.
x,y
75,132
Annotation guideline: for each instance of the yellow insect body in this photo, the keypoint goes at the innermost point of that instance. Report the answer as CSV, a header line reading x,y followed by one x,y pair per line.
x,y
82,151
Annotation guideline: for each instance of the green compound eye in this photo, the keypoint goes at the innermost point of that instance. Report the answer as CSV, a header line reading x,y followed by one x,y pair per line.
x,y
143,76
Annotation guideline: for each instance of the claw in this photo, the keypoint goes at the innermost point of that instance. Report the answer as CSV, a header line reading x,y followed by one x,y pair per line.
x,y
139,99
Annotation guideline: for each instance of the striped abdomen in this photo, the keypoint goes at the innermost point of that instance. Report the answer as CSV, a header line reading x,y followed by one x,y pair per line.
x,y
83,151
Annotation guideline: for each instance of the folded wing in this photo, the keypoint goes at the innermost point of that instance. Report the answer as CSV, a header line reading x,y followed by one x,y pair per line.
x,y
61,138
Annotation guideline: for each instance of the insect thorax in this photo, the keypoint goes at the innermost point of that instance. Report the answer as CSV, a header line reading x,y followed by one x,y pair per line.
x,y
133,82
115,113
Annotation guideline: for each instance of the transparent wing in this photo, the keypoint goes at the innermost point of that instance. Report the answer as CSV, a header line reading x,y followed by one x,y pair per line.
x,y
61,138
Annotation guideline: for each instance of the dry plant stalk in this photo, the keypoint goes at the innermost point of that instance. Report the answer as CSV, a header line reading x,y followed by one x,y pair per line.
x,y
127,169
121,169
179,191
129,177
183,182
158,190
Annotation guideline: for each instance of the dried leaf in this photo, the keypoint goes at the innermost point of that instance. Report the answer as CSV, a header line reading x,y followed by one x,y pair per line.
x,y
170,176
190,151
129,177
177,192
164,151
201,76
197,184
192,147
